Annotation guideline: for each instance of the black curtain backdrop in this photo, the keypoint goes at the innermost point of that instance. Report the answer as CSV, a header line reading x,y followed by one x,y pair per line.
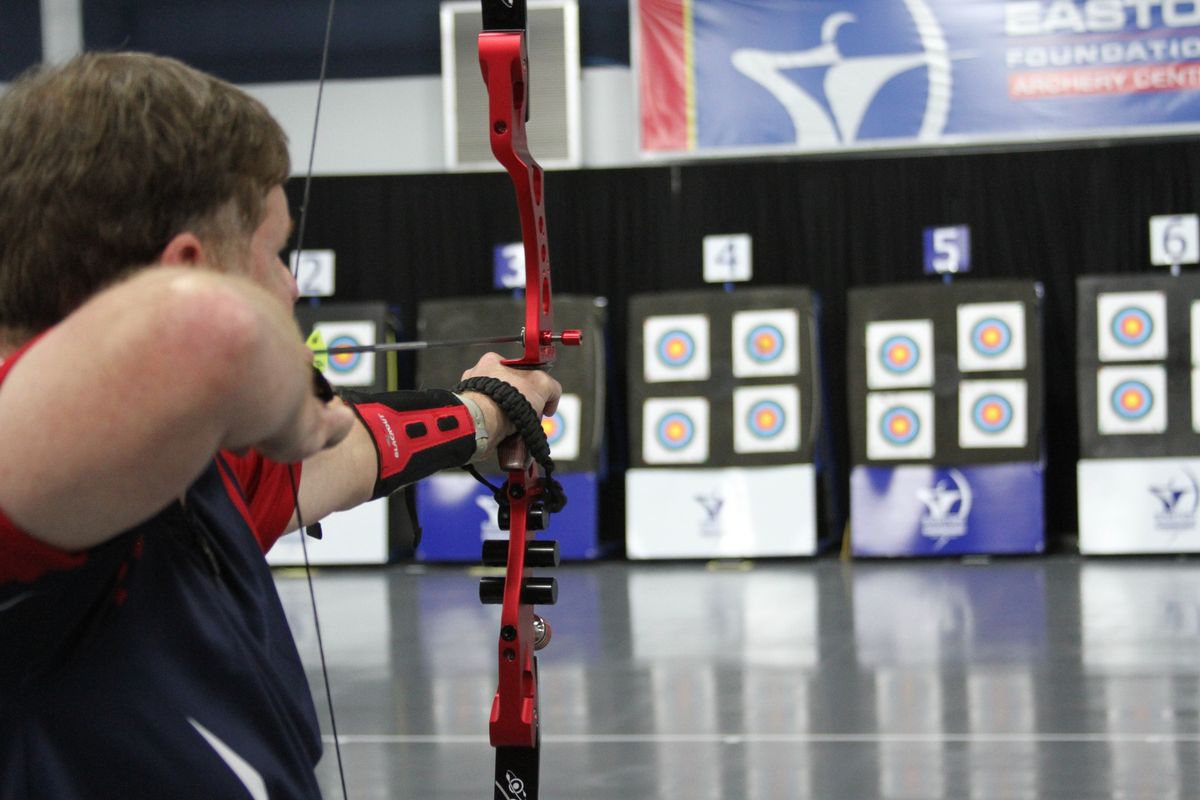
x,y
829,224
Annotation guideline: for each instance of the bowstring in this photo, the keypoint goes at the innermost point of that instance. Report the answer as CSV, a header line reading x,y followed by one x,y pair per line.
x,y
295,267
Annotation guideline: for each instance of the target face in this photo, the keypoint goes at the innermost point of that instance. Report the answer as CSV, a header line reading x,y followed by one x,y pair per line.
x,y
344,362
899,354
991,336
1195,335
1131,399
993,414
676,348
562,428
1196,400
766,419
675,430
349,369
899,426
765,343
1132,326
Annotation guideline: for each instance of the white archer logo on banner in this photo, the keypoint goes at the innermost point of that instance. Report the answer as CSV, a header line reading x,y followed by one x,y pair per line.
x,y
851,83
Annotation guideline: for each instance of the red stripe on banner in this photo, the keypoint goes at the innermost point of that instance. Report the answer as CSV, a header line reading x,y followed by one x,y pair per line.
x,y
663,67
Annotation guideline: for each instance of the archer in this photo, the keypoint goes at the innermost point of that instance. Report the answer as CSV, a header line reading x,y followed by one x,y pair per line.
x,y
156,404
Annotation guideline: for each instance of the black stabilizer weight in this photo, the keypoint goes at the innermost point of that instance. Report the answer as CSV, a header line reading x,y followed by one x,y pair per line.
x,y
541,554
495,552
537,519
539,591
537,554
491,590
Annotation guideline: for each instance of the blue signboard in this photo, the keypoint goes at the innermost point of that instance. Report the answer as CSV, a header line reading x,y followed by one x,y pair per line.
x,y
457,513
508,266
930,510
947,250
830,74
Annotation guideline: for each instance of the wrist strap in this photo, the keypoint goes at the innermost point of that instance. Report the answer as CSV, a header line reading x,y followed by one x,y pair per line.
x,y
481,431
525,419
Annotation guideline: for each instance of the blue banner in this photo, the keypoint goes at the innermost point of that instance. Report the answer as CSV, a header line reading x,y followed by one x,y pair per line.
x,y
832,74
457,513
927,510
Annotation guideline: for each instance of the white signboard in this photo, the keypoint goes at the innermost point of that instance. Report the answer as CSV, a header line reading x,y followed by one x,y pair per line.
x,y
1174,240
357,536
315,272
727,258
721,513
1142,505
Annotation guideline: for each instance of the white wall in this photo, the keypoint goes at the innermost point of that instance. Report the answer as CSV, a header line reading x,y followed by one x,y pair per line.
x,y
394,125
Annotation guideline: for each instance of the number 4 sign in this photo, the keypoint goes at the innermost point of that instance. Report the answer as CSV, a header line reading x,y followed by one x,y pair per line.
x,y
1174,240
727,258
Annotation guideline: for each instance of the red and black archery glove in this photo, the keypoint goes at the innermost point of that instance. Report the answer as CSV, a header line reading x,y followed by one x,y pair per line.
x,y
416,433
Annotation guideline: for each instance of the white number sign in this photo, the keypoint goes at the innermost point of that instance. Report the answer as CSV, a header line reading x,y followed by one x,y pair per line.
x,y
315,272
727,258
1174,240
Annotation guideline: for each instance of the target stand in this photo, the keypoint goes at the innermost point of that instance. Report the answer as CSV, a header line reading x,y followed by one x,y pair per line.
x,y
945,405
1138,381
728,433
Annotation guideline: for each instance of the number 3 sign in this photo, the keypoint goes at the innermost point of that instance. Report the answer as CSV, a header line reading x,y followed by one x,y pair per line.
x,y
1174,240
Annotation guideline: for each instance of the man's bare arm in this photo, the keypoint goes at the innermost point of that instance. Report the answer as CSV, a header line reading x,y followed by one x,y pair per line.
x,y
114,412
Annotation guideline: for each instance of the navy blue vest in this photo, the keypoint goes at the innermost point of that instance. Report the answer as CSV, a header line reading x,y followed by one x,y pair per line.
x,y
163,667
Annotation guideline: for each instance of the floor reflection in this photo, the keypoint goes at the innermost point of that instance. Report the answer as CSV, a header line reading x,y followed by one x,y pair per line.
x,y
1038,678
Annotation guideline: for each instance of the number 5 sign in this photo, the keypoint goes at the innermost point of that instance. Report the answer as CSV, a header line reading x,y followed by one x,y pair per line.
x,y
947,250
1174,240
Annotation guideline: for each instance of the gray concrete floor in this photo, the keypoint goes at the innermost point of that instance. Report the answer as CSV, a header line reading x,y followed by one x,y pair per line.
x,y
1057,678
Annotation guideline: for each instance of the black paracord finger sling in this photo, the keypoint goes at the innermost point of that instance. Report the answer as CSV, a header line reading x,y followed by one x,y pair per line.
x,y
529,428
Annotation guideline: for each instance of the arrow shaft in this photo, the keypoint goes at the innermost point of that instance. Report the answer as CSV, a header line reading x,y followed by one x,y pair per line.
x,y
410,346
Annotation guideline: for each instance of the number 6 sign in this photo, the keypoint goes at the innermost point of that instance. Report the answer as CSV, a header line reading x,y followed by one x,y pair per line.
x,y
1174,240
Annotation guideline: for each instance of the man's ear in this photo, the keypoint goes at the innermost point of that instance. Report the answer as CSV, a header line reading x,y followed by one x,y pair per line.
x,y
184,250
